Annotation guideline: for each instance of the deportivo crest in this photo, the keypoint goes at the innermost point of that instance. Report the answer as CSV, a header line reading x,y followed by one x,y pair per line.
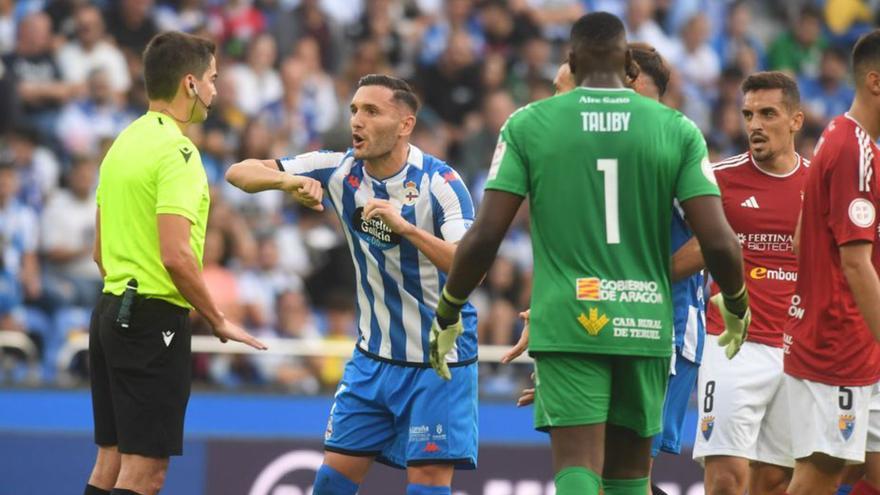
x,y
846,424
707,425
410,193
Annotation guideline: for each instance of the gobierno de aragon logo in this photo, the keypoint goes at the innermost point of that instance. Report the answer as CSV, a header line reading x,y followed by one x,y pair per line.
x,y
271,480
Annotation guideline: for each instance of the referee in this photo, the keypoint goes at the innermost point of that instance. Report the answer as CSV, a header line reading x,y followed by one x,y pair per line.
x,y
152,211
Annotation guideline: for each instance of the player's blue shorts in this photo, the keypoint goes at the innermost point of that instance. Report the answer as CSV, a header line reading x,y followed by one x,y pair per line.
x,y
405,415
678,394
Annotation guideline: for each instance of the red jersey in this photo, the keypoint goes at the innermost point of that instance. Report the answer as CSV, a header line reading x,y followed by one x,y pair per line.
x,y
762,208
826,339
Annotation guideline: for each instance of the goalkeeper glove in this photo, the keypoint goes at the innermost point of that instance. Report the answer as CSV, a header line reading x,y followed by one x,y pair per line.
x,y
737,316
444,331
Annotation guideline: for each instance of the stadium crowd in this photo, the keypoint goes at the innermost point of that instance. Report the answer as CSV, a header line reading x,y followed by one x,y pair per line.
x,y
69,82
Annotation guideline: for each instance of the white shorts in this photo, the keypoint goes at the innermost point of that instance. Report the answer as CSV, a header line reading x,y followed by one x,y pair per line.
x,y
743,408
842,422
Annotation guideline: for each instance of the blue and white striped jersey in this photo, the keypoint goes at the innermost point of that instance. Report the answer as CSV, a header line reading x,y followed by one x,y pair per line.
x,y
689,305
398,286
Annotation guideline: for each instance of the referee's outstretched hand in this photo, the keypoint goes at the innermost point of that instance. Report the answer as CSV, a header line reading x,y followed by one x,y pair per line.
x,y
230,331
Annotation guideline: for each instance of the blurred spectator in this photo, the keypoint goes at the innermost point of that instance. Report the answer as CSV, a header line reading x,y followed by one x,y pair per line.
x,y
476,150
8,98
309,20
257,83
222,283
341,327
261,286
186,16
830,94
85,122
235,24
37,167
19,266
318,87
799,49
534,66
7,27
293,373
298,116
458,17
848,17
368,58
264,209
728,135
39,84
67,238
736,35
696,60
554,17
452,87
505,29
378,26
90,51
641,26
131,24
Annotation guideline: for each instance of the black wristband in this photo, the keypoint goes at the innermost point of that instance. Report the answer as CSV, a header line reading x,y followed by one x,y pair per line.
x,y
738,304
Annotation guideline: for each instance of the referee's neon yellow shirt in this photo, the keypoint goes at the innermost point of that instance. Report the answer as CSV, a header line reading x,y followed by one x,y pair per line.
x,y
151,168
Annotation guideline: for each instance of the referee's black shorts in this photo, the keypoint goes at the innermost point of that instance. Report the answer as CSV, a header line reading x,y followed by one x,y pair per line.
x,y
140,376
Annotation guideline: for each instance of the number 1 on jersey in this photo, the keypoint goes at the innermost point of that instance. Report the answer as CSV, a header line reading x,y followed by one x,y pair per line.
x,y
612,220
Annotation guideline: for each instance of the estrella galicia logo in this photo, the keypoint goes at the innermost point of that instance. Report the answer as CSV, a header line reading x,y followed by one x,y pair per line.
x,y
374,231
846,424
706,426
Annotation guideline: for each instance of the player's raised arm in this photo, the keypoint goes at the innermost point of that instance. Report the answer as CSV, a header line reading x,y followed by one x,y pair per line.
x,y
303,177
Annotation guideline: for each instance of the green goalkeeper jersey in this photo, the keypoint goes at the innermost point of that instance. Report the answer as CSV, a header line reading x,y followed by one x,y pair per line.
x,y
601,168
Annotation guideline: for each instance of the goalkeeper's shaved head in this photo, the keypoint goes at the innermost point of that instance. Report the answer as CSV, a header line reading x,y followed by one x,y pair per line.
x,y
598,45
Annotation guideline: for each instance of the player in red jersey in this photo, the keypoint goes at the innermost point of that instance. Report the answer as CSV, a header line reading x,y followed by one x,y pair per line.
x,y
743,408
832,358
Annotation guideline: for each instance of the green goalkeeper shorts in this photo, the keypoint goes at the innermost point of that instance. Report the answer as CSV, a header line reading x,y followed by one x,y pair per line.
x,y
573,389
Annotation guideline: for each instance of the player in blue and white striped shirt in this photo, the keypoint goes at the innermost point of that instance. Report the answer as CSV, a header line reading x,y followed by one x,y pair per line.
x,y
402,213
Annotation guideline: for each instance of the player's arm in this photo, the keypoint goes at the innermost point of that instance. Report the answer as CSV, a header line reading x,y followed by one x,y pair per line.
x,y
718,243
852,217
476,251
700,199
687,261
252,175
855,261
183,268
177,204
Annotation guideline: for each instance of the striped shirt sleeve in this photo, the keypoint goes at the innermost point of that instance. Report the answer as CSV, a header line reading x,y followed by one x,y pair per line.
x,y
318,165
454,211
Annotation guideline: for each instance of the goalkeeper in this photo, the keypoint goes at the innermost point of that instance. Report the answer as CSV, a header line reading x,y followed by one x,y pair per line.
x,y
600,166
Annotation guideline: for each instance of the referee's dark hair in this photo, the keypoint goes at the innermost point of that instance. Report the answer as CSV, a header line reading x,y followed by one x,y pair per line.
x,y
169,57
866,55
775,80
403,92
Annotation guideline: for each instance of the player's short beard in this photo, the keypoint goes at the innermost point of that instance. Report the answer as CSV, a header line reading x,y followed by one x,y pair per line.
x,y
378,147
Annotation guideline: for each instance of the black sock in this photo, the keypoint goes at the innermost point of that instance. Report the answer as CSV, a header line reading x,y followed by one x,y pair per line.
x,y
123,491
655,490
94,490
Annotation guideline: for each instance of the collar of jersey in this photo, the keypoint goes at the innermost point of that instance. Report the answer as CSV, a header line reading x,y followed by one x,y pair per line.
x,y
414,158
778,176
590,88
166,119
